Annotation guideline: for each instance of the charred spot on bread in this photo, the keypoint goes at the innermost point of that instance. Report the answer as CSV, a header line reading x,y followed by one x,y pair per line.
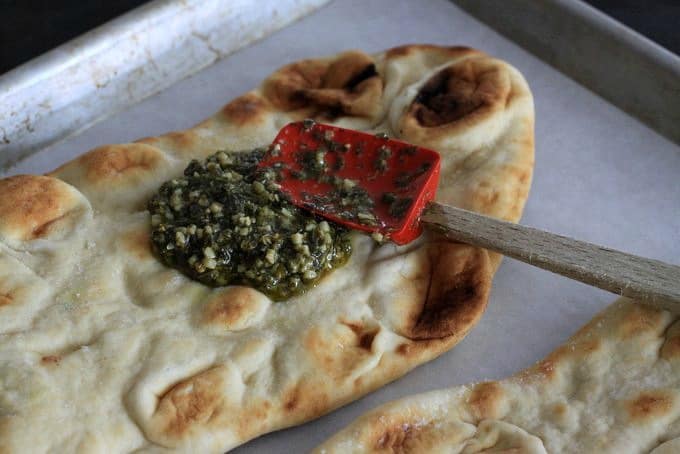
x,y
461,104
456,92
246,110
234,308
651,404
347,85
446,52
112,161
456,294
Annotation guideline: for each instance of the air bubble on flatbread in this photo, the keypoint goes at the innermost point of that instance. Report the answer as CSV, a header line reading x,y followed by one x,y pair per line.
x,y
186,410
346,90
146,281
499,436
22,295
346,350
233,308
135,171
460,106
152,285
39,208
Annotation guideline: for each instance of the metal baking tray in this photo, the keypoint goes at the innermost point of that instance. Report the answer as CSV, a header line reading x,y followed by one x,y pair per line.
x,y
601,174
124,61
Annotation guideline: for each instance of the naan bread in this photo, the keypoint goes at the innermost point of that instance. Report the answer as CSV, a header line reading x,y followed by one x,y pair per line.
x,y
614,387
104,349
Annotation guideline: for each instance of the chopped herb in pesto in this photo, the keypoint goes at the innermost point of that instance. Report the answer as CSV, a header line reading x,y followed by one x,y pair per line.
x,y
380,163
347,200
225,222
388,198
406,178
397,206
407,151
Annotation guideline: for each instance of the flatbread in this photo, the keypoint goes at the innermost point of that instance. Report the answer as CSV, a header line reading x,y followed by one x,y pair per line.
x,y
614,387
104,349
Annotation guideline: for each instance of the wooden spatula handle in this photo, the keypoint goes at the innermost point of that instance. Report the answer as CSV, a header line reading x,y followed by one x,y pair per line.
x,y
648,281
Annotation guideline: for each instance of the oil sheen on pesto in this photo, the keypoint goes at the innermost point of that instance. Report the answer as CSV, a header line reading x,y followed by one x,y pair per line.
x,y
225,222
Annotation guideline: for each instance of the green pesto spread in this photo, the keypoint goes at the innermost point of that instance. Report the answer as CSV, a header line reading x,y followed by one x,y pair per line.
x,y
347,200
226,222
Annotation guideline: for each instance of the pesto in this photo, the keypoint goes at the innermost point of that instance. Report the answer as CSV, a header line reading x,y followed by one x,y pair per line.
x,y
406,178
397,207
380,163
226,222
347,200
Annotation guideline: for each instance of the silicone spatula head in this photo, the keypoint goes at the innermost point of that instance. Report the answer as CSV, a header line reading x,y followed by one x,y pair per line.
x,y
363,181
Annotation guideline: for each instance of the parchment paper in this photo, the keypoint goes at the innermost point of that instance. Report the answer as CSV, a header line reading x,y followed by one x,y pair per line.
x,y
600,176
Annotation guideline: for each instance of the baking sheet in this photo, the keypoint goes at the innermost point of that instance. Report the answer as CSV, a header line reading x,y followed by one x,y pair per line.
x,y
124,61
600,176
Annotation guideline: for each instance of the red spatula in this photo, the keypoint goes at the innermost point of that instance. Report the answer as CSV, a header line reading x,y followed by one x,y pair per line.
x,y
387,187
